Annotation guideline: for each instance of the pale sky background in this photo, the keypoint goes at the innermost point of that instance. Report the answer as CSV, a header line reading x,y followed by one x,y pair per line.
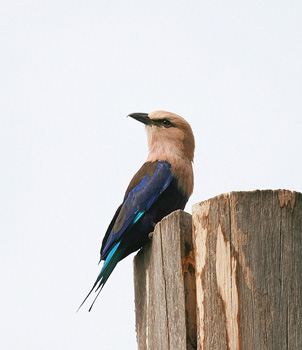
x,y
70,72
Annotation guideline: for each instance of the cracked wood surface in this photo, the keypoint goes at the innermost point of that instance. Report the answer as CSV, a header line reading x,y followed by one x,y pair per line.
x,y
248,250
165,297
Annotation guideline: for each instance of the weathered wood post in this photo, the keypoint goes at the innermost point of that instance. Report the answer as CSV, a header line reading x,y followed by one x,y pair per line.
x,y
165,296
248,269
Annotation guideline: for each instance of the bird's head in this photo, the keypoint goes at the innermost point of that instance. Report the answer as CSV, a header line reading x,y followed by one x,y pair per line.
x,y
169,136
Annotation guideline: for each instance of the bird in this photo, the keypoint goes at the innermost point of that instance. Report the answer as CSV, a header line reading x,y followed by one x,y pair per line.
x,y
162,185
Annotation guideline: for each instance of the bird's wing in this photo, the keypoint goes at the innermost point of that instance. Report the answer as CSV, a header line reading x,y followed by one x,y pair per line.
x,y
109,229
144,189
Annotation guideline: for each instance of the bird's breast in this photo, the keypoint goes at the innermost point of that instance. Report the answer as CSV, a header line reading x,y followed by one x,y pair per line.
x,y
183,172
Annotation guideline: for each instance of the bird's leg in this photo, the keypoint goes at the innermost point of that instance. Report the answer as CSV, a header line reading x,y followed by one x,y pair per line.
x,y
150,235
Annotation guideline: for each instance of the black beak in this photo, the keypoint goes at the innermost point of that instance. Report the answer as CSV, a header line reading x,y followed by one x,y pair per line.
x,y
141,117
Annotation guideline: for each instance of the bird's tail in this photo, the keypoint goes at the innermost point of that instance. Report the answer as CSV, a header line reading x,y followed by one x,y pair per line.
x,y
111,261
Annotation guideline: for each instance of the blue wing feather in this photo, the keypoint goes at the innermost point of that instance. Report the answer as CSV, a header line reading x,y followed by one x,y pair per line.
x,y
138,201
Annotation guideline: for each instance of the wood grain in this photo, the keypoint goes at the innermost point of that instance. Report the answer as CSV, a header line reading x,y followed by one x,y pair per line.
x,y
248,249
164,277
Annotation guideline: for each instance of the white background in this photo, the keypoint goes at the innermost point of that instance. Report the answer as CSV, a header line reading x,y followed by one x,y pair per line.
x,y
70,72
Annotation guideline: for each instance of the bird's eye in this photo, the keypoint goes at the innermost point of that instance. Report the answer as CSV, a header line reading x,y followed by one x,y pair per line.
x,y
166,123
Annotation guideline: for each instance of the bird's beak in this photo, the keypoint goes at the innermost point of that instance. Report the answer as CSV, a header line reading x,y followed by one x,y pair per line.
x,y
141,117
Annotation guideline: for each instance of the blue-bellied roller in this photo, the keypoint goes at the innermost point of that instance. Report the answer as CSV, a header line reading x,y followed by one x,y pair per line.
x,y
163,184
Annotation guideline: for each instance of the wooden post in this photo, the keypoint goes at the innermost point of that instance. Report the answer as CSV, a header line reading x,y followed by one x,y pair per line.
x,y
248,271
248,248
165,296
